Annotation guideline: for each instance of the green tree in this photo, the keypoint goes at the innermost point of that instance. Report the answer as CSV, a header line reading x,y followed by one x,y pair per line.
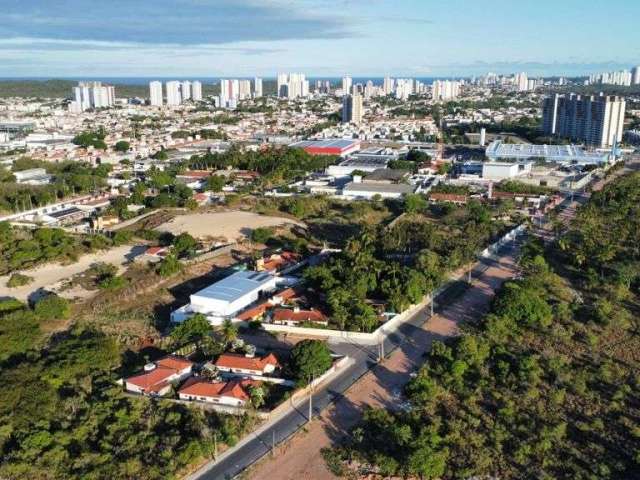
x,y
309,359
215,183
193,329
122,146
184,245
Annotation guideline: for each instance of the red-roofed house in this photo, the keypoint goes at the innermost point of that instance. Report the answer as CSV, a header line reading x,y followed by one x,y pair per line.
x,y
295,316
277,261
234,392
158,377
237,363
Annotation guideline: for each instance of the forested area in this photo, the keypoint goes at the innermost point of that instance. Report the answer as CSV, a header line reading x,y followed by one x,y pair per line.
x,y
275,163
62,415
547,385
400,264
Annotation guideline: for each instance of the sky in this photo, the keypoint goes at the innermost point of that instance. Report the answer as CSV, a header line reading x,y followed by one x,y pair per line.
x,y
322,38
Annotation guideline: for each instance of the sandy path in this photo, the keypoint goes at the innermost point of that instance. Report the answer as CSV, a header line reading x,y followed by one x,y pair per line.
x,y
231,225
51,275
301,458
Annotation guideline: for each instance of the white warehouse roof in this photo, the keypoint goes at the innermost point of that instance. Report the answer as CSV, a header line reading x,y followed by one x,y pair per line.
x,y
235,286
557,153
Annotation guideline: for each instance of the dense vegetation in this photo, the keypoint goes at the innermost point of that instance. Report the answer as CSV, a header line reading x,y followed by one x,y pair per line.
x,y
24,248
547,385
69,178
62,415
400,264
276,164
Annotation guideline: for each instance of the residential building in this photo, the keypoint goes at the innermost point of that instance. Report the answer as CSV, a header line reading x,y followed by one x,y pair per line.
x,y
352,109
243,365
635,74
293,85
196,91
185,90
521,82
229,92
155,94
445,90
244,89
347,82
295,316
257,87
158,377
174,95
235,393
595,120
388,86
92,95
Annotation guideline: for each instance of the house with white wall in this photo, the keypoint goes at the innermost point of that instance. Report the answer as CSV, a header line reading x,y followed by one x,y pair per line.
x,y
241,364
235,393
158,377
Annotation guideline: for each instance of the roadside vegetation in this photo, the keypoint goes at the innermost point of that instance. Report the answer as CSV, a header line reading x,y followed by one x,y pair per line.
x,y
546,385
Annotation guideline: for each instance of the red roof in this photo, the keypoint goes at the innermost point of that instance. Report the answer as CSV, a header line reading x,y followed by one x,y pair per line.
x,y
155,250
177,363
254,312
236,360
289,315
156,379
196,174
202,388
448,197
287,293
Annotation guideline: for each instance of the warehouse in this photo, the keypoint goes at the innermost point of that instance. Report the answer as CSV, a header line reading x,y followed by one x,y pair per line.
x,y
338,147
223,299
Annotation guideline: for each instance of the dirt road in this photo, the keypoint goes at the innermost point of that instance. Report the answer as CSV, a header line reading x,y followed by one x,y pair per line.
x,y
51,275
301,457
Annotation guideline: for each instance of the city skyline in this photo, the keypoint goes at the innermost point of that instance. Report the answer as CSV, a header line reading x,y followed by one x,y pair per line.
x,y
324,39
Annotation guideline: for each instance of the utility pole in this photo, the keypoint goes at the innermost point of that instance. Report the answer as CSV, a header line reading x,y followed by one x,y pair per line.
x,y
273,443
432,300
215,445
469,275
311,399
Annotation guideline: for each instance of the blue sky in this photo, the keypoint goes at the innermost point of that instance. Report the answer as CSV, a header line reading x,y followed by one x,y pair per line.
x,y
209,38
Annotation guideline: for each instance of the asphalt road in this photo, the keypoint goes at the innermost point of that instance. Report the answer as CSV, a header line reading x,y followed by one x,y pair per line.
x,y
365,357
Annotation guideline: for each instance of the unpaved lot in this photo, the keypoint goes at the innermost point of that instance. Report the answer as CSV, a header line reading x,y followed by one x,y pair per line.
x,y
52,275
230,225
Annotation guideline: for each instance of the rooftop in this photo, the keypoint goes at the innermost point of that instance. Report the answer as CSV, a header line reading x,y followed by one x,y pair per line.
x,y
330,143
235,286
560,153
378,187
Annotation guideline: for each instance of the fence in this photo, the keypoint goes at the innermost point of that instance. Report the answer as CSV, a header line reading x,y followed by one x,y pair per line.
x,y
391,325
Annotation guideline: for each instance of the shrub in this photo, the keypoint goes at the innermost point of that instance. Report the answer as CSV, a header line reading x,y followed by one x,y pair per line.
x,y
19,280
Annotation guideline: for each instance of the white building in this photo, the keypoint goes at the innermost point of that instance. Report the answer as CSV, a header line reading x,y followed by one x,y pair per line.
x,y
257,87
293,85
635,74
388,85
445,90
92,95
505,170
174,96
224,299
185,90
521,82
352,109
229,92
347,83
196,91
155,94
244,89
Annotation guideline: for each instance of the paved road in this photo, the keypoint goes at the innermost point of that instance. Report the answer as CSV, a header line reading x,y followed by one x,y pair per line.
x,y
365,359
384,380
